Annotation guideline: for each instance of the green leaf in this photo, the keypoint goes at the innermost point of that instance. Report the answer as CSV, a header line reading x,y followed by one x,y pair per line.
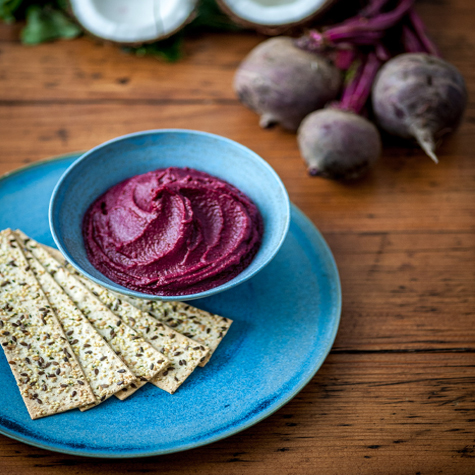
x,y
210,16
8,9
47,24
170,49
63,4
351,72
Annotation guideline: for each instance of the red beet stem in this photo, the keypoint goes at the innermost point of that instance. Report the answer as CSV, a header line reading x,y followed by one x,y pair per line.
x,y
380,23
373,8
419,30
411,41
382,53
365,83
344,58
350,87
365,38
352,35
356,93
366,28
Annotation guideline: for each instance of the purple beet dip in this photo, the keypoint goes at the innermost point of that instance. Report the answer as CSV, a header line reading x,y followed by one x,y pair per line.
x,y
172,231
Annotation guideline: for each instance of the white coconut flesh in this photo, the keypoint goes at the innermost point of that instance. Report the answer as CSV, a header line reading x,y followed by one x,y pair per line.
x,y
132,21
274,12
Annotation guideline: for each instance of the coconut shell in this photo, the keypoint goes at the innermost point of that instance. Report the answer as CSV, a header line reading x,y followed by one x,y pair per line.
x,y
274,30
88,32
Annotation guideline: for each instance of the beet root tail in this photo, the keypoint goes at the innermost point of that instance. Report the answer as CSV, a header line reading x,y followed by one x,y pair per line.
x,y
425,139
267,120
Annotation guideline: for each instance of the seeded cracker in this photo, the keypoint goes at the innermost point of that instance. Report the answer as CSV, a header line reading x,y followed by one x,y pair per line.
x,y
184,354
142,359
126,390
203,327
104,370
33,340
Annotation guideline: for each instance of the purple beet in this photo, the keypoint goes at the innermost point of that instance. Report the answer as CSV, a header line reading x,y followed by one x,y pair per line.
x,y
338,144
421,96
283,83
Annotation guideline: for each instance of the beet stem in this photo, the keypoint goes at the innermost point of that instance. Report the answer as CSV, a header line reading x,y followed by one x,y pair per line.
x,y
382,53
350,87
344,58
366,28
358,90
373,8
363,89
366,38
411,41
419,30
379,23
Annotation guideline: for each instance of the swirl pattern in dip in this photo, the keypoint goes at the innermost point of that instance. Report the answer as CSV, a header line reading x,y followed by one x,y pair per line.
x,y
173,231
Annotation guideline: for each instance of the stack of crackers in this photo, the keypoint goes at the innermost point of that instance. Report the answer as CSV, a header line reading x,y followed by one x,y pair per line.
x,y
71,343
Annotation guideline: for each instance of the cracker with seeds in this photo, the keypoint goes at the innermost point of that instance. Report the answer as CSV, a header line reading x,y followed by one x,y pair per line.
x,y
184,354
104,370
203,327
129,390
143,360
34,343
126,390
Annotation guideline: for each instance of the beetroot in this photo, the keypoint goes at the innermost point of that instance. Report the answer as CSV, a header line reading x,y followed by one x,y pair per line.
x,y
421,96
338,144
283,83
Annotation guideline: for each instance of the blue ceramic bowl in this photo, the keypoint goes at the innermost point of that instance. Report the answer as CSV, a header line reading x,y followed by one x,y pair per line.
x,y
114,161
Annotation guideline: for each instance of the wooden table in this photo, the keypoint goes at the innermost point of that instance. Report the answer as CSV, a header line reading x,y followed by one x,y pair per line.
x,y
397,394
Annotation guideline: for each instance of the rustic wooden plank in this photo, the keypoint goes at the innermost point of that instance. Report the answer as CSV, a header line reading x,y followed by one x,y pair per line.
x,y
86,70
406,290
399,413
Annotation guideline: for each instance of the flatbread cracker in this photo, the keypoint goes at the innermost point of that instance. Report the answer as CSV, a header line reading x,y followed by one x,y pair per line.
x,y
126,391
184,354
34,343
142,359
203,327
105,371
129,390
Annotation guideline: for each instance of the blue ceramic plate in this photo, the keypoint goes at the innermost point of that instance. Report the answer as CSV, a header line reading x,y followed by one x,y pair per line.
x,y
285,321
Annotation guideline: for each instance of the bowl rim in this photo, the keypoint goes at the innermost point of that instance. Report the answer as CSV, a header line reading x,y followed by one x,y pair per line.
x,y
53,205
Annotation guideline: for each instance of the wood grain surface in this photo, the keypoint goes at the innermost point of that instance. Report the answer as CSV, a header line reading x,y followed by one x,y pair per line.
x,y
397,393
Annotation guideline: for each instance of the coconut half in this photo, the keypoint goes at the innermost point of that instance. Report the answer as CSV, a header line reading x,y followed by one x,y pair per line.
x,y
273,17
133,21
